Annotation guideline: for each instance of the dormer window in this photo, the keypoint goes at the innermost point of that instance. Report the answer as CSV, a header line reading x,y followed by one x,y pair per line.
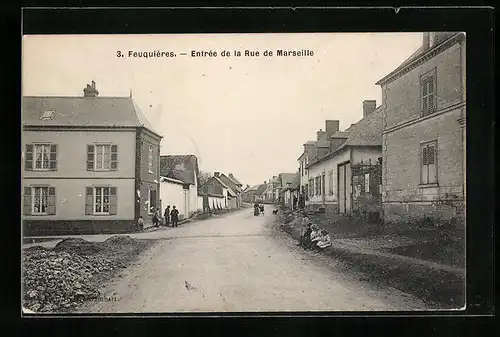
x,y
48,114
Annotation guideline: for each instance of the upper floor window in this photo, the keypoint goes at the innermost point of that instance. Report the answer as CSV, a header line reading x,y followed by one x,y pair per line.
x,y
40,157
102,157
428,167
428,92
150,159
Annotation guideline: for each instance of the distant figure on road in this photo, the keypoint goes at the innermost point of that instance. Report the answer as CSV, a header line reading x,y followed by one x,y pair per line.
x,y
174,215
156,218
295,203
166,215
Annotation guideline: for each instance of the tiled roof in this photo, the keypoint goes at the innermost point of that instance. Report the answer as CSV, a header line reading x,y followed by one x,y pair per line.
x,y
83,112
229,189
179,167
341,134
322,143
366,132
261,188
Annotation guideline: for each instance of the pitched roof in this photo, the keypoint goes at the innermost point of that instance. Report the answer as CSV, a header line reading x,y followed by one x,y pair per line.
x,y
229,189
179,167
366,132
83,112
226,180
322,143
287,177
341,134
261,188
234,180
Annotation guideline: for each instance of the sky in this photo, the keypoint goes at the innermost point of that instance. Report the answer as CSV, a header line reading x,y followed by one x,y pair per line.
x,y
249,116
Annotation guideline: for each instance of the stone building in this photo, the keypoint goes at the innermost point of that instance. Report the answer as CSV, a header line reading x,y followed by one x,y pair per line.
x,y
423,105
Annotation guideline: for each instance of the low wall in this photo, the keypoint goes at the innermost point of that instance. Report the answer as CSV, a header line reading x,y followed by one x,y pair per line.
x,y
439,212
76,227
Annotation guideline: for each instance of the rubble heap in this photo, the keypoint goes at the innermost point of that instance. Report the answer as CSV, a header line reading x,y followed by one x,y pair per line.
x,y
62,278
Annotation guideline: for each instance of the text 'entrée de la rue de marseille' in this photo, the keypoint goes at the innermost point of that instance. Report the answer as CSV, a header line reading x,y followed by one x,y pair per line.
x,y
213,53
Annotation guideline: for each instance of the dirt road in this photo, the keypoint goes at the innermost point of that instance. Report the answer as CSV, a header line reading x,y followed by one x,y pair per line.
x,y
234,264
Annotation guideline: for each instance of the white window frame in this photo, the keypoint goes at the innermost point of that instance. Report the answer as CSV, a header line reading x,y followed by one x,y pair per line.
x,y
150,159
426,167
33,189
35,150
94,201
108,145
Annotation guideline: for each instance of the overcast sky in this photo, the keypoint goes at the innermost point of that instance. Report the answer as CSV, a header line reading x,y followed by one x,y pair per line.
x,y
240,115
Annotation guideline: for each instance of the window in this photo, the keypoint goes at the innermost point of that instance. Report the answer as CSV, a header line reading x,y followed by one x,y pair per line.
x,y
428,167
323,185
39,200
101,200
102,157
152,201
330,182
307,192
318,185
41,157
150,159
428,92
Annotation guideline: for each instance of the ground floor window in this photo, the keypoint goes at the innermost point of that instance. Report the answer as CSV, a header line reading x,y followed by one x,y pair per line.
x,y
101,200
428,166
39,200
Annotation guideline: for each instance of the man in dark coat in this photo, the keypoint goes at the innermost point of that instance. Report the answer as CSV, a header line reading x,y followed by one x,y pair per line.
x,y
166,215
174,216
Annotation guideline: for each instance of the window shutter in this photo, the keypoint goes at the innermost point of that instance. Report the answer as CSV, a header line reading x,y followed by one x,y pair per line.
x,y
28,159
27,201
113,201
51,201
114,157
424,156
89,200
431,95
90,158
430,155
53,157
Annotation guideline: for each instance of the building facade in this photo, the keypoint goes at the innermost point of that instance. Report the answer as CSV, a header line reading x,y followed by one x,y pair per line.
x,y
90,164
424,104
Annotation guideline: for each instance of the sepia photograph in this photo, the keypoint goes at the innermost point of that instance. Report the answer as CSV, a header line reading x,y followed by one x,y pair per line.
x,y
243,173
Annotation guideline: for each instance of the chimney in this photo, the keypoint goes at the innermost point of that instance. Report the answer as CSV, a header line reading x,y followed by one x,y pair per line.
x,y
216,174
93,84
321,135
331,126
368,107
265,182
231,175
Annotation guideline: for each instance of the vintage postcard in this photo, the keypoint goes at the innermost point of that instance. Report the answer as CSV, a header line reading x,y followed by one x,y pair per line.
x,y
304,172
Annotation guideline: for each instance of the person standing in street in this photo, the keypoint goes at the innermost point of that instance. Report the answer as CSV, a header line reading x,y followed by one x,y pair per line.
x,y
174,215
167,216
156,217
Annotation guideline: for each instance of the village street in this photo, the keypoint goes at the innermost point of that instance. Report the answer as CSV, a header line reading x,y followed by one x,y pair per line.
x,y
234,264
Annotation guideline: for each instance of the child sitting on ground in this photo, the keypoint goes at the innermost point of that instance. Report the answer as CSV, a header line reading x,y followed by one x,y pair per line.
x,y
324,240
140,223
314,237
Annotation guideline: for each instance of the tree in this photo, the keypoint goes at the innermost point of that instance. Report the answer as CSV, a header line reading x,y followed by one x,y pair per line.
x,y
203,177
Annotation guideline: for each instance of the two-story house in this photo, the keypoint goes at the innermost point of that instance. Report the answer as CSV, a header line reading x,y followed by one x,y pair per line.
x,y
424,102
89,164
330,175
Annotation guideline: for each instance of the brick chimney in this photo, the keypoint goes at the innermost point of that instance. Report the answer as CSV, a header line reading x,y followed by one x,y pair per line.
x,y
90,90
217,174
320,135
368,107
331,126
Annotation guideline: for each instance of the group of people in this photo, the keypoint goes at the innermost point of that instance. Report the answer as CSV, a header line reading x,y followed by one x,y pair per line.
x,y
313,237
170,217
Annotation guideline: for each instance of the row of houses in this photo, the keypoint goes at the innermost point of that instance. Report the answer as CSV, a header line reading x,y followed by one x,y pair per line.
x,y
92,164
278,189
404,160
